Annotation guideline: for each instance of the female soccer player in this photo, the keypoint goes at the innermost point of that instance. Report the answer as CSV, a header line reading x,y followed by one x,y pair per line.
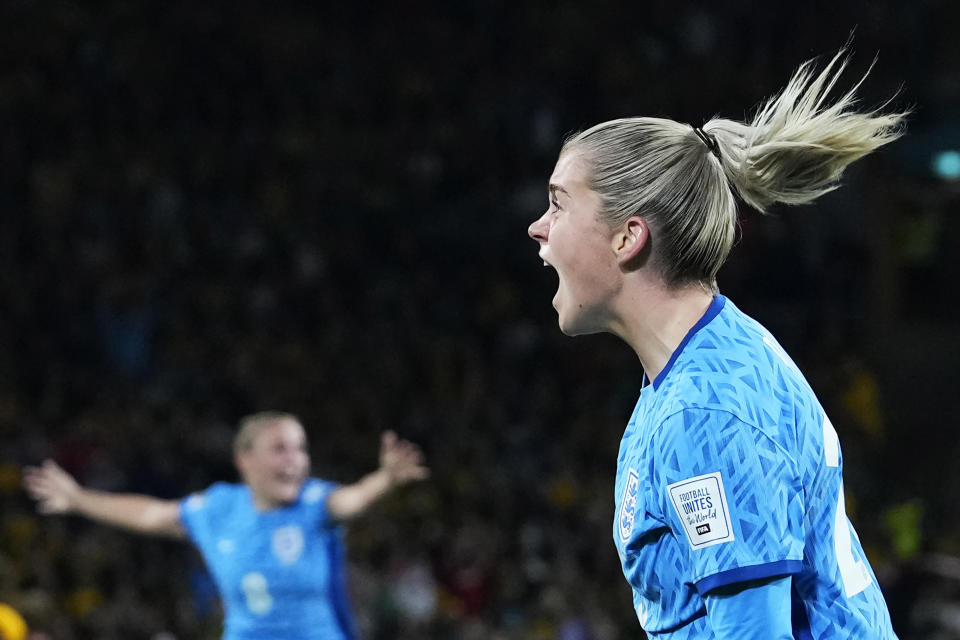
x,y
272,543
730,520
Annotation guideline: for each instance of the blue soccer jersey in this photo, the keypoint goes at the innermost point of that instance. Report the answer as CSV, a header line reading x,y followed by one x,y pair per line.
x,y
729,471
279,572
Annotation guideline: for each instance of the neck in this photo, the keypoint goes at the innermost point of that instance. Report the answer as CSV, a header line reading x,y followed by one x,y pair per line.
x,y
654,320
262,502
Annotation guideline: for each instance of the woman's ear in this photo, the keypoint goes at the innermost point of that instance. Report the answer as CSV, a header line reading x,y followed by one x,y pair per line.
x,y
630,240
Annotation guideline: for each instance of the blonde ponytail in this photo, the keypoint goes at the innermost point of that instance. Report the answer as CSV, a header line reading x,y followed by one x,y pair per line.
x,y
797,146
683,181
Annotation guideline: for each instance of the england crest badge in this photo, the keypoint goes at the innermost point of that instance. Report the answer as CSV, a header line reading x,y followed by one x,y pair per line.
x,y
628,505
288,544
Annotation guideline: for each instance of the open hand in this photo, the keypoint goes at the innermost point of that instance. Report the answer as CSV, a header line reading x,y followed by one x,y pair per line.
x,y
54,489
401,459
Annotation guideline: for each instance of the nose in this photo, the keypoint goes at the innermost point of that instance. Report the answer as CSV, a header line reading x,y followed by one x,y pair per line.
x,y
539,228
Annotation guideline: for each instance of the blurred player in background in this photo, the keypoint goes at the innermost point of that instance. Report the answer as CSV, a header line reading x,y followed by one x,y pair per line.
x,y
273,543
730,519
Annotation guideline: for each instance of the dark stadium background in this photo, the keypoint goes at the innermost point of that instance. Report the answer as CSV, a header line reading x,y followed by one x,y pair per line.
x,y
212,208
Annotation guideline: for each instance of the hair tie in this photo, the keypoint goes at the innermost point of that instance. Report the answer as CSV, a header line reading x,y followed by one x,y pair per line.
x,y
708,140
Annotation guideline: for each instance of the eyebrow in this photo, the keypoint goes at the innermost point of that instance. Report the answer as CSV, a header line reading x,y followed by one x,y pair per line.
x,y
556,187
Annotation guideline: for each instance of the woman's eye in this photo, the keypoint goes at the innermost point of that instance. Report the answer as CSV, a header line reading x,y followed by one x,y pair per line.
x,y
555,204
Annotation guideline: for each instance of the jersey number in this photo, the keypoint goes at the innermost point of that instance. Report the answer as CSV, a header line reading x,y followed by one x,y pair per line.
x,y
254,586
853,572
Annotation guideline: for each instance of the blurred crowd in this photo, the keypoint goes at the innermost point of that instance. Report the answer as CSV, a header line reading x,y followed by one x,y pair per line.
x,y
210,209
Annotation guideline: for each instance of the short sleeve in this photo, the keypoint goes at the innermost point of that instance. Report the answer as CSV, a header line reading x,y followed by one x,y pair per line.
x,y
758,612
314,498
198,511
731,495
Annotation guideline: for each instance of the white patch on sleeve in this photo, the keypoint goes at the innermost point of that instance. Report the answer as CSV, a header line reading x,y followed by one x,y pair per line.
x,y
195,502
314,492
701,505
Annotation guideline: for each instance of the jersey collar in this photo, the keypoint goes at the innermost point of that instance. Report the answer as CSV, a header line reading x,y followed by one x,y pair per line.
x,y
715,306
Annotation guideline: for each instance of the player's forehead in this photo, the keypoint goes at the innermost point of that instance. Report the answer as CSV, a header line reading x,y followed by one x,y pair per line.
x,y
569,174
279,430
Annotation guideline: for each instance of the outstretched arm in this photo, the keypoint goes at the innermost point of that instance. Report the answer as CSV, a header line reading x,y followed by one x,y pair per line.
x,y
400,462
56,491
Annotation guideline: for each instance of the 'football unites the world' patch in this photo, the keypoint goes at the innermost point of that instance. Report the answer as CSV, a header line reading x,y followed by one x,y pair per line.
x,y
701,505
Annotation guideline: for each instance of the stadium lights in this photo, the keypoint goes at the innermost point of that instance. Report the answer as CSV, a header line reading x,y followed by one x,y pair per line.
x,y
946,165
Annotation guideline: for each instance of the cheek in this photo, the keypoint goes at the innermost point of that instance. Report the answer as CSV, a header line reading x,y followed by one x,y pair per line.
x,y
592,269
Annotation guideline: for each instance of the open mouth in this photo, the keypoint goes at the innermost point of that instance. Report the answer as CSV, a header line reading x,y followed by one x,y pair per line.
x,y
289,476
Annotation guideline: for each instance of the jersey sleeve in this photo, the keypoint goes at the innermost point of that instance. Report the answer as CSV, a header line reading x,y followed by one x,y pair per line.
x,y
760,611
731,495
314,497
199,511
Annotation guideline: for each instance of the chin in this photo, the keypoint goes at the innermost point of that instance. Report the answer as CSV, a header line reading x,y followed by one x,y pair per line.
x,y
571,329
573,332
287,496
567,329
566,324
569,323
579,325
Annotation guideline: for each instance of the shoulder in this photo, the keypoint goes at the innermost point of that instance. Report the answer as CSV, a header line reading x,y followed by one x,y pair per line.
x,y
205,512
697,442
214,497
312,503
693,424
708,449
734,365
732,347
744,350
316,491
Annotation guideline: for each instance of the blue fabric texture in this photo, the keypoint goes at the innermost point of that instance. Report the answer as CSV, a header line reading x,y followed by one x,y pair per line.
x,y
729,471
279,572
